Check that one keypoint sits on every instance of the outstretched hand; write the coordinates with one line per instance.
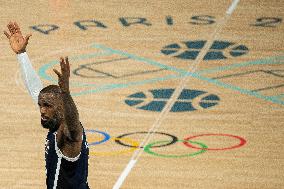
(63, 77)
(18, 43)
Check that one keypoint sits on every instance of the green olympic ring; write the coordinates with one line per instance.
(147, 149)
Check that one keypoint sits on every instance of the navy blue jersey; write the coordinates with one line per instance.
(63, 172)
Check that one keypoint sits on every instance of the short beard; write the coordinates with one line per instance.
(52, 124)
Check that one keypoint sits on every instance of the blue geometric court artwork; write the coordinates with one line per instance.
(156, 99)
(174, 73)
(190, 50)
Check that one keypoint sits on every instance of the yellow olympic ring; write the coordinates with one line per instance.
(134, 143)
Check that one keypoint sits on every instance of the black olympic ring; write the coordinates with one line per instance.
(174, 139)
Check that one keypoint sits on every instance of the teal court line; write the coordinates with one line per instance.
(273, 99)
(270, 60)
(125, 85)
(179, 74)
(42, 70)
(279, 96)
(184, 73)
(108, 51)
(148, 61)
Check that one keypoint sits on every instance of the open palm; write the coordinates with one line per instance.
(17, 42)
(63, 76)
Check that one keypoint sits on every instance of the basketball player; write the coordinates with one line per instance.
(66, 148)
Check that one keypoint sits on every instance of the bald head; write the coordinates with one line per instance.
(51, 107)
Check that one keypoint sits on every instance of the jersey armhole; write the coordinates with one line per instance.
(60, 154)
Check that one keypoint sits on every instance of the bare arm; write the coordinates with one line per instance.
(18, 44)
(73, 129)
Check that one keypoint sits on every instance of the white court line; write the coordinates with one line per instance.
(232, 7)
(173, 98)
(124, 173)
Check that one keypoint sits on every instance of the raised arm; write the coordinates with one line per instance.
(18, 44)
(73, 129)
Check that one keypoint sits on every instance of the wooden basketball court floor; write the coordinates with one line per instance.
(199, 85)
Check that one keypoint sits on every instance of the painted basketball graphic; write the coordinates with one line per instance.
(156, 99)
(191, 49)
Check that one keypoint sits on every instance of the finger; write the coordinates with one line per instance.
(62, 64)
(67, 65)
(66, 60)
(7, 34)
(10, 26)
(17, 28)
(27, 38)
(57, 73)
(61, 59)
(13, 28)
(64, 68)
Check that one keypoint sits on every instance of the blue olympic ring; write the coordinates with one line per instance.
(106, 136)
(148, 147)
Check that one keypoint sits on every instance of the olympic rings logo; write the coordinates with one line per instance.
(132, 144)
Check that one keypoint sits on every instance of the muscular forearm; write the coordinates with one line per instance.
(71, 116)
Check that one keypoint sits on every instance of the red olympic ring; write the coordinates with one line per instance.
(242, 141)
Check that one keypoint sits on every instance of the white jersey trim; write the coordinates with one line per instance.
(57, 173)
(61, 155)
